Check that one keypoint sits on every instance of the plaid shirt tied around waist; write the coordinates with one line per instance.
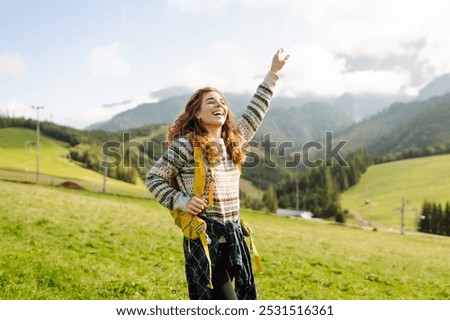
(197, 268)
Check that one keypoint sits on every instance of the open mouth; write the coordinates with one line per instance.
(219, 113)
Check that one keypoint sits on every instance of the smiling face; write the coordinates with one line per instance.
(213, 110)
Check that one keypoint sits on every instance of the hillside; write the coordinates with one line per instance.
(402, 126)
(438, 87)
(385, 185)
(291, 123)
(18, 162)
(429, 128)
(162, 112)
(302, 124)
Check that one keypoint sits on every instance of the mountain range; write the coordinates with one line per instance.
(172, 100)
(384, 128)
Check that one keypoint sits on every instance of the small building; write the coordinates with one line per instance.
(302, 214)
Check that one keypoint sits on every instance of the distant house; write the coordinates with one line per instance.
(302, 214)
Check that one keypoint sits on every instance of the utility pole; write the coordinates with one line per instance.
(37, 108)
(297, 195)
(105, 173)
(402, 210)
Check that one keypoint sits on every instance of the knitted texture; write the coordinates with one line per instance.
(178, 161)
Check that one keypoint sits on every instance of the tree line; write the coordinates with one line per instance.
(90, 155)
(268, 202)
(435, 218)
(414, 152)
(61, 133)
(313, 189)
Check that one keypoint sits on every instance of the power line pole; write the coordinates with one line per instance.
(37, 108)
(402, 210)
(105, 173)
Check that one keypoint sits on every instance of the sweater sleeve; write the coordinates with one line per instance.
(164, 170)
(254, 114)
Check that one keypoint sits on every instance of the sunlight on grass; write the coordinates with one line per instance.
(67, 244)
(386, 184)
(18, 162)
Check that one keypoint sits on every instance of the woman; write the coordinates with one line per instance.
(208, 123)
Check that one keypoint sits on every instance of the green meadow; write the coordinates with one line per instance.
(68, 244)
(385, 185)
(79, 244)
(18, 163)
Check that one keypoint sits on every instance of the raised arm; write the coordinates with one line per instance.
(253, 116)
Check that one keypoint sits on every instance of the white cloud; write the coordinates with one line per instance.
(108, 61)
(379, 81)
(312, 69)
(406, 40)
(213, 8)
(228, 67)
(14, 108)
(96, 114)
(413, 34)
(222, 7)
(434, 58)
(13, 64)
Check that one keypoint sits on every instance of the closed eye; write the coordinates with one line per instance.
(212, 100)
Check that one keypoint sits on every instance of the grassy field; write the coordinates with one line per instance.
(18, 163)
(386, 184)
(66, 244)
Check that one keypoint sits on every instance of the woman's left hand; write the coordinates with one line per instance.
(278, 62)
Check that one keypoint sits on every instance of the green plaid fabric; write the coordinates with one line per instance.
(197, 269)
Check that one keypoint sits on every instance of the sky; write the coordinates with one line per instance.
(85, 61)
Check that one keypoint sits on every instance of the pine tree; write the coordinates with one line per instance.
(304, 192)
(435, 216)
(424, 224)
(339, 216)
(440, 220)
(331, 205)
(270, 199)
(353, 176)
(446, 224)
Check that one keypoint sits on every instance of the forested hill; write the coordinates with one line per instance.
(403, 126)
(431, 127)
(162, 112)
(301, 124)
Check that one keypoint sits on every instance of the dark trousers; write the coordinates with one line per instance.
(222, 277)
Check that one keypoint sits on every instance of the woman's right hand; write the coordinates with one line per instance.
(278, 62)
(195, 205)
